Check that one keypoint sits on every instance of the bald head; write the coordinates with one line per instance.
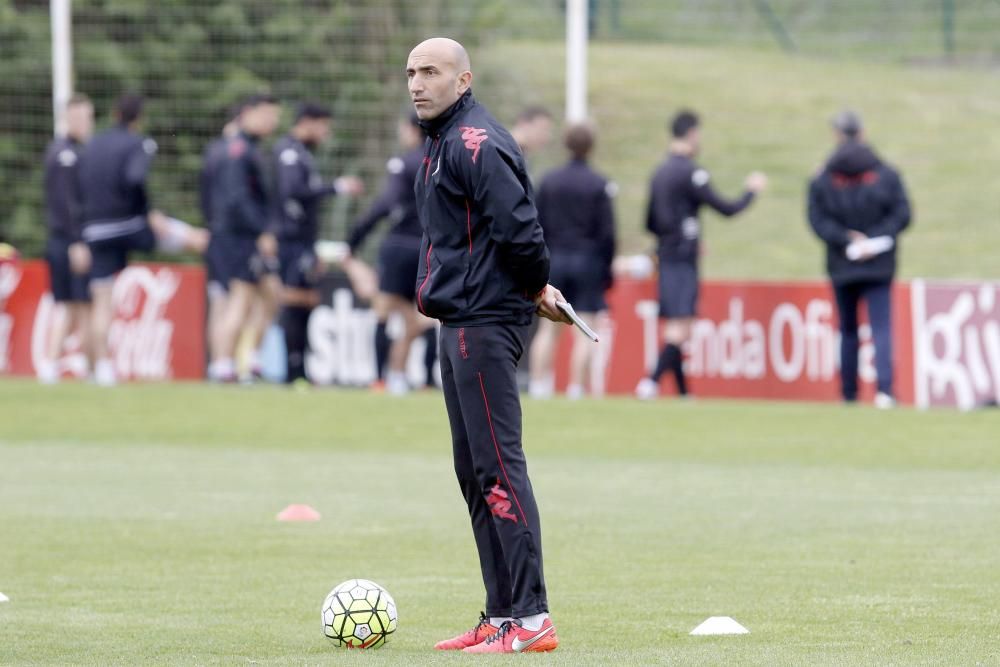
(438, 73)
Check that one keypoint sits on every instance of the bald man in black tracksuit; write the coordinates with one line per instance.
(483, 273)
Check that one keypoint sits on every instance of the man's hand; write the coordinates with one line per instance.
(756, 182)
(267, 245)
(79, 258)
(546, 305)
(352, 186)
(856, 236)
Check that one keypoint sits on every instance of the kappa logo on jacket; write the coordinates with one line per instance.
(473, 138)
(499, 502)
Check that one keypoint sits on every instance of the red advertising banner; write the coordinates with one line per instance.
(769, 340)
(751, 340)
(956, 334)
(157, 332)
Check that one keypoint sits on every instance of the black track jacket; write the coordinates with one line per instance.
(483, 255)
(857, 191)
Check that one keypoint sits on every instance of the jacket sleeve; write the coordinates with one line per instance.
(701, 187)
(605, 213)
(823, 224)
(205, 183)
(502, 195)
(392, 193)
(137, 168)
(295, 182)
(898, 216)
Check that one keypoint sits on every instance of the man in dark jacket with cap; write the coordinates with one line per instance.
(484, 274)
(858, 206)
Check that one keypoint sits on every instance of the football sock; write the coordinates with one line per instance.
(382, 346)
(665, 362)
(430, 355)
(497, 621)
(295, 324)
(533, 622)
(677, 360)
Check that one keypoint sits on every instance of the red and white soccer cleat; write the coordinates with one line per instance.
(474, 636)
(512, 638)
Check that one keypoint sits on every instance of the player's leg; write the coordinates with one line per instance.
(175, 236)
(57, 258)
(102, 312)
(79, 316)
(878, 299)
(580, 358)
(397, 269)
(847, 297)
(496, 577)
(399, 352)
(108, 258)
(542, 382)
(430, 352)
(242, 294)
(678, 302)
(300, 275)
(297, 306)
(265, 309)
(382, 341)
(484, 361)
(484, 366)
(589, 301)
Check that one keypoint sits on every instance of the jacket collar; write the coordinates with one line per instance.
(435, 126)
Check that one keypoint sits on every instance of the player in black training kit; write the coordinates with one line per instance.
(680, 187)
(117, 218)
(216, 272)
(577, 216)
(67, 255)
(300, 190)
(243, 209)
(398, 258)
(484, 274)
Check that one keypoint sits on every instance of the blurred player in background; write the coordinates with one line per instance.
(117, 218)
(243, 209)
(398, 259)
(679, 188)
(483, 273)
(532, 130)
(67, 255)
(576, 212)
(216, 272)
(855, 199)
(300, 190)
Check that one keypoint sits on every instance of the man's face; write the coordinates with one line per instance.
(317, 130)
(410, 136)
(262, 120)
(693, 139)
(538, 133)
(80, 121)
(434, 81)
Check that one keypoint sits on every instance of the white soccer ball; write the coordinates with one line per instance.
(359, 614)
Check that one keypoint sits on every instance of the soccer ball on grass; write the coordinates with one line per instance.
(359, 614)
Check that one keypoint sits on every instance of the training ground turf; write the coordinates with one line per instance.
(137, 526)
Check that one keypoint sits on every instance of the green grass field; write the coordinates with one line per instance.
(137, 527)
(770, 111)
